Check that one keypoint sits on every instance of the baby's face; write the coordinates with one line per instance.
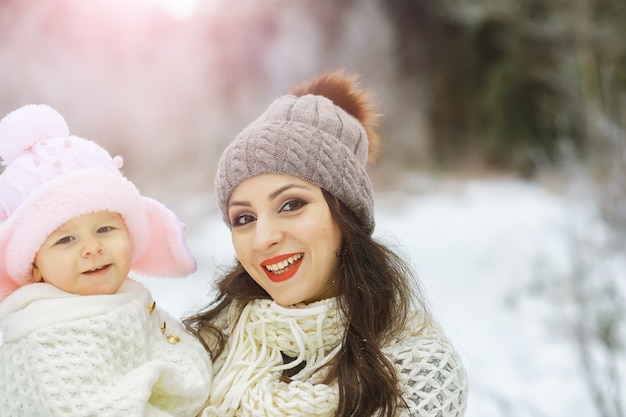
(87, 255)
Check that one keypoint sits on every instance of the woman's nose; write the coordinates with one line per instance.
(92, 246)
(267, 233)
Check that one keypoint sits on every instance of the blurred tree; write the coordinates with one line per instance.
(513, 77)
(428, 50)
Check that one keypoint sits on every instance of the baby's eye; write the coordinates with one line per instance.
(293, 205)
(66, 239)
(242, 220)
(105, 229)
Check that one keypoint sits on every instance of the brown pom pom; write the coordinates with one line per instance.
(343, 91)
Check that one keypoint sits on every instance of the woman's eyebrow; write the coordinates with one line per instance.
(237, 203)
(270, 197)
(284, 188)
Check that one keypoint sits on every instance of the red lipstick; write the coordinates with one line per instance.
(285, 273)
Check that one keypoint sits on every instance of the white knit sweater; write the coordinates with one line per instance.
(102, 355)
(247, 376)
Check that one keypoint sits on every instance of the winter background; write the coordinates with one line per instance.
(477, 247)
(521, 270)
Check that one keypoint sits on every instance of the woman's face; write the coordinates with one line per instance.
(285, 237)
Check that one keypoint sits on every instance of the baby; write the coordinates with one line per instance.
(79, 337)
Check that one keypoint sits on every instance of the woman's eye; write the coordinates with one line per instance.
(242, 220)
(293, 205)
(105, 229)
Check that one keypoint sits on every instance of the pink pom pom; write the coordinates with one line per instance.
(118, 161)
(28, 125)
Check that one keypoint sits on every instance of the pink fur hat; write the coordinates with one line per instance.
(51, 176)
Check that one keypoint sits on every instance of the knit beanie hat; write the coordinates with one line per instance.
(323, 133)
(51, 177)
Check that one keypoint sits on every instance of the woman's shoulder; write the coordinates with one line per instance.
(429, 368)
(420, 333)
(422, 341)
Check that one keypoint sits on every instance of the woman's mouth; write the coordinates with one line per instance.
(281, 268)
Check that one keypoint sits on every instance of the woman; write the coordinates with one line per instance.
(315, 317)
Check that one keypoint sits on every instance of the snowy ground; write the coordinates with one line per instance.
(475, 246)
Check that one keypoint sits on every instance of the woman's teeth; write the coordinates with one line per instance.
(278, 267)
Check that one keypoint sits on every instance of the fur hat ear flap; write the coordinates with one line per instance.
(7, 285)
(167, 254)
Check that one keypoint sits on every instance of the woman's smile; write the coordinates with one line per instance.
(283, 267)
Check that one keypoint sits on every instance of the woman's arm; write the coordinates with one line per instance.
(431, 372)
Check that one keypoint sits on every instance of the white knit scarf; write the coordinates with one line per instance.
(248, 383)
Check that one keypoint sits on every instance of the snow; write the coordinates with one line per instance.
(476, 247)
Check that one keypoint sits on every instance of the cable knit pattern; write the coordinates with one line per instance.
(307, 137)
(102, 355)
(247, 378)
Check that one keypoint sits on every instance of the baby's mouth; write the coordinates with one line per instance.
(98, 269)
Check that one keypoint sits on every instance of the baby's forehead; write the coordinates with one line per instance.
(87, 219)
